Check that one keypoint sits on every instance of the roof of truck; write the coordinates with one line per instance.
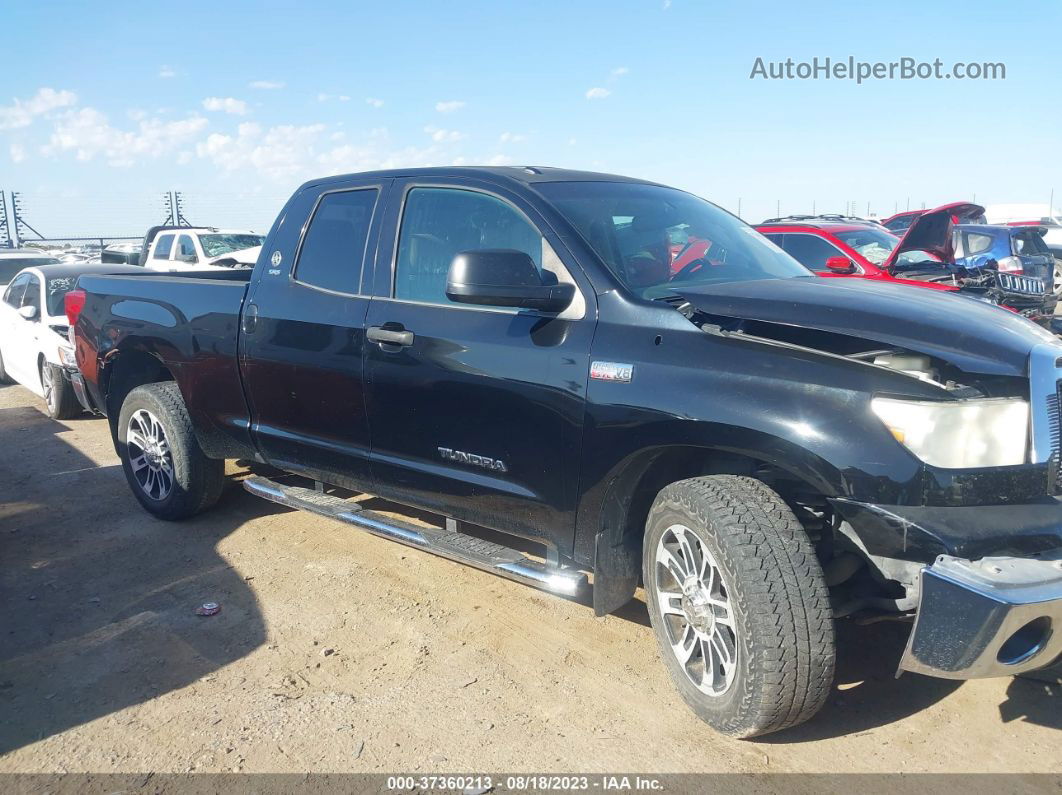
(521, 174)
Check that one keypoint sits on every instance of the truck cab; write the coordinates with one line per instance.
(181, 249)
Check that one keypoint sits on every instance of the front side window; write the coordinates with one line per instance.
(332, 254)
(186, 249)
(14, 292)
(439, 223)
(657, 240)
(162, 247)
(811, 251)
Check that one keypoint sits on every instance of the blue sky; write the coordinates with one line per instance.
(105, 106)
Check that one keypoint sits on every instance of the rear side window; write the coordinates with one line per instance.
(332, 255)
(811, 251)
(976, 244)
(162, 247)
(437, 223)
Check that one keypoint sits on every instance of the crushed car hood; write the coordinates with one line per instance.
(932, 230)
(975, 336)
(245, 256)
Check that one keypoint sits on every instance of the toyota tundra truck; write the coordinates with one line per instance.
(511, 351)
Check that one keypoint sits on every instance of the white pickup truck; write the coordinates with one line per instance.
(175, 249)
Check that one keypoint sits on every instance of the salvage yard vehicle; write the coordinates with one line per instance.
(14, 260)
(510, 349)
(34, 348)
(926, 256)
(183, 248)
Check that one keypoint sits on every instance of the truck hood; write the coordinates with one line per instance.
(245, 256)
(932, 230)
(973, 335)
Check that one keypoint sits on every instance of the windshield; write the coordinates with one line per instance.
(658, 240)
(875, 246)
(10, 266)
(216, 245)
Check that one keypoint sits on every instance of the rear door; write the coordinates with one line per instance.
(303, 334)
(475, 412)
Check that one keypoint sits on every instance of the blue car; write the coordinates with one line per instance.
(1017, 250)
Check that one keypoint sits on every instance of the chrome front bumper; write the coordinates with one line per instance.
(996, 616)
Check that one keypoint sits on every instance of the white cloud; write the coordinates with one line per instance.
(499, 160)
(266, 85)
(444, 136)
(18, 153)
(88, 134)
(572, 142)
(511, 138)
(620, 71)
(226, 104)
(277, 152)
(449, 106)
(376, 103)
(597, 93)
(167, 72)
(667, 4)
(22, 113)
(330, 97)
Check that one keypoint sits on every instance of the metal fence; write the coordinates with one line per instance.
(65, 219)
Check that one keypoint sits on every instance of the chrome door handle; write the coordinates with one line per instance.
(389, 336)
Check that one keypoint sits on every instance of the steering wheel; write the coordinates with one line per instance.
(689, 269)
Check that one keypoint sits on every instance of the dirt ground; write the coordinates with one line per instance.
(336, 651)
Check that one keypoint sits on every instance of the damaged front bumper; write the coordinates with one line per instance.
(997, 616)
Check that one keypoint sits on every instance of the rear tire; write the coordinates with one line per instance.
(161, 457)
(58, 393)
(747, 630)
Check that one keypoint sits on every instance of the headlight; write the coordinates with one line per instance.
(959, 434)
(67, 357)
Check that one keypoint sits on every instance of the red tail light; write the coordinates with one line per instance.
(73, 303)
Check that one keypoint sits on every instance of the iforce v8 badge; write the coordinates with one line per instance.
(612, 371)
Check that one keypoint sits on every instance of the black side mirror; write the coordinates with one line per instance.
(504, 277)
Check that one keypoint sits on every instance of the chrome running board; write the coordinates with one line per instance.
(460, 547)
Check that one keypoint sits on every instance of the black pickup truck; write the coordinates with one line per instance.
(513, 351)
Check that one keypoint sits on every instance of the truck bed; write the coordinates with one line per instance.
(186, 324)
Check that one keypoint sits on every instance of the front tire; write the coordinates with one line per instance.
(738, 604)
(4, 377)
(162, 460)
(58, 393)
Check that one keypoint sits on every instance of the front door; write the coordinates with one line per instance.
(475, 412)
(303, 334)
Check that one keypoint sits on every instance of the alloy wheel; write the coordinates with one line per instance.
(48, 385)
(696, 611)
(149, 454)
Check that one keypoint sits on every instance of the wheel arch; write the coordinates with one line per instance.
(125, 370)
(617, 520)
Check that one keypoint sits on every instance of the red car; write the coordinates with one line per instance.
(835, 246)
(840, 246)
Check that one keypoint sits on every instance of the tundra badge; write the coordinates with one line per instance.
(476, 460)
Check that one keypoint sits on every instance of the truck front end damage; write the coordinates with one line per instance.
(996, 616)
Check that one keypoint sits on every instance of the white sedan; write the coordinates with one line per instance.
(34, 349)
